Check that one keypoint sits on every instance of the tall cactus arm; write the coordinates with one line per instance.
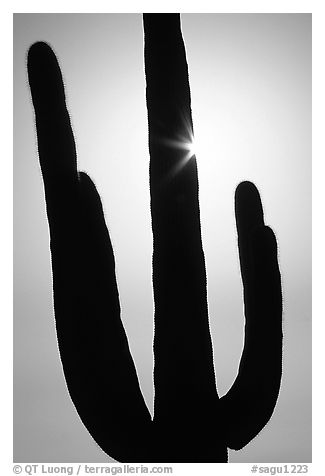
(250, 402)
(186, 398)
(97, 364)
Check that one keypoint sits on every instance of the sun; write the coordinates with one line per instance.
(190, 147)
(187, 145)
(185, 142)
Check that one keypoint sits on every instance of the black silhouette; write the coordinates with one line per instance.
(191, 423)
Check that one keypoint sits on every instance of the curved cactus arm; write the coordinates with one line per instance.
(250, 402)
(97, 364)
(185, 391)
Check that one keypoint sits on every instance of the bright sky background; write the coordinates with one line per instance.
(250, 77)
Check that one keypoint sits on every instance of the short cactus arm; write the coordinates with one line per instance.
(98, 366)
(250, 402)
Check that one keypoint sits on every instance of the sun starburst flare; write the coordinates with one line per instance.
(184, 141)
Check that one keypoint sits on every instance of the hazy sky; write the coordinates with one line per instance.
(250, 77)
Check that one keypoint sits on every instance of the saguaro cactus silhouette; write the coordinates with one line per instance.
(191, 423)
